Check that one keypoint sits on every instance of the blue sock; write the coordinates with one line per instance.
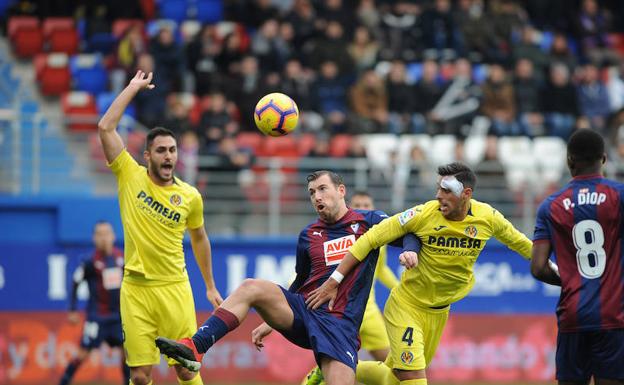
(210, 332)
(69, 372)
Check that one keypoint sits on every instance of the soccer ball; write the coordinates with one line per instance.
(276, 114)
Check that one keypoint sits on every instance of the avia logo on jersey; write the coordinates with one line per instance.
(464, 243)
(585, 197)
(336, 249)
(159, 208)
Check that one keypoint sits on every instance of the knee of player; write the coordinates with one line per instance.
(140, 378)
(250, 287)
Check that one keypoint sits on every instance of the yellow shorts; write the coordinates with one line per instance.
(414, 333)
(373, 330)
(166, 310)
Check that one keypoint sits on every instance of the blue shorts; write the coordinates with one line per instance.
(95, 332)
(321, 332)
(581, 355)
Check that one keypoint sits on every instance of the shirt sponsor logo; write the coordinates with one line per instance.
(336, 249)
(156, 207)
(407, 357)
(175, 200)
(464, 243)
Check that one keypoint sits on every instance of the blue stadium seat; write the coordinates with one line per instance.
(414, 72)
(102, 42)
(176, 10)
(546, 41)
(479, 73)
(88, 73)
(209, 11)
(105, 99)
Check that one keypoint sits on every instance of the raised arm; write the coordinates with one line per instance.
(107, 126)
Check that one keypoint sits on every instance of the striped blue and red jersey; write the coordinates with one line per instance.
(584, 224)
(103, 275)
(321, 247)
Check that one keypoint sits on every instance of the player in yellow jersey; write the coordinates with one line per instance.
(156, 210)
(373, 330)
(453, 229)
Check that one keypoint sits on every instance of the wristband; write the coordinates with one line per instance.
(337, 276)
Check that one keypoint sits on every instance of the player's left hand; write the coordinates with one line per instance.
(258, 334)
(214, 297)
(409, 259)
(326, 292)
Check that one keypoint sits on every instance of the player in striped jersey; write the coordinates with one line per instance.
(583, 225)
(331, 331)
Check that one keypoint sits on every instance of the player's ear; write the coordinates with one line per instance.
(146, 155)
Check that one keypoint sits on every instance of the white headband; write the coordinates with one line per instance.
(451, 183)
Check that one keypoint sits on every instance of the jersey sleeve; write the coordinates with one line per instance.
(386, 231)
(195, 218)
(505, 232)
(383, 271)
(302, 266)
(124, 167)
(542, 231)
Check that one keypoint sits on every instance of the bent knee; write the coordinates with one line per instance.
(251, 287)
(404, 375)
(140, 379)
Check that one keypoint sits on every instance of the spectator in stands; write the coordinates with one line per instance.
(356, 148)
(177, 117)
(231, 53)
(527, 96)
(528, 48)
(400, 99)
(401, 33)
(427, 93)
(369, 102)
(331, 46)
(298, 83)
(438, 29)
(245, 89)
(559, 102)
(615, 87)
(130, 47)
(490, 171)
(560, 52)
(368, 15)
(254, 13)
(151, 105)
(188, 160)
(507, 20)
(474, 28)
(335, 10)
(363, 49)
(592, 25)
(459, 103)
(269, 47)
(201, 59)
(330, 97)
(169, 58)
(593, 98)
(321, 147)
(499, 103)
(302, 17)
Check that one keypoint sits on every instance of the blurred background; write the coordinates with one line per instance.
(387, 90)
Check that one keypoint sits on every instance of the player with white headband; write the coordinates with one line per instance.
(454, 229)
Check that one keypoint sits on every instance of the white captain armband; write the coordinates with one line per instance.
(337, 276)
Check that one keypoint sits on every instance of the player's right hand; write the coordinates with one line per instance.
(140, 81)
(409, 259)
(73, 317)
(258, 334)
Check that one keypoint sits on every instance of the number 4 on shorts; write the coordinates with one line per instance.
(408, 336)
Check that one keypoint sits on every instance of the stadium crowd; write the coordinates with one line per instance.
(532, 68)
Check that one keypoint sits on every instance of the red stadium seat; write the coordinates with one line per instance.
(306, 144)
(54, 78)
(60, 35)
(80, 111)
(40, 62)
(251, 140)
(283, 147)
(25, 35)
(339, 145)
(121, 26)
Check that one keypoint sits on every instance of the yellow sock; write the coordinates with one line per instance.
(419, 381)
(197, 380)
(375, 373)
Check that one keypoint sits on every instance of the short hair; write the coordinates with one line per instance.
(156, 132)
(101, 222)
(362, 193)
(586, 145)
(335, 178)
(462, 172)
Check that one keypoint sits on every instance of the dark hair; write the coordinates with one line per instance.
(586, 146)
(101, 222)
(335, 178)
(462, 172)
(155, 132)
(361, 193)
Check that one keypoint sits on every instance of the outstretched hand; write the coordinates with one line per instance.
(142, 81)
(258, 334)
(324, 293)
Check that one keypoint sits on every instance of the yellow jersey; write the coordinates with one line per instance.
(383, 273)
(449, 249)
(154, 221)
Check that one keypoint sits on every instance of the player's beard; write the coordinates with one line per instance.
(155, 171)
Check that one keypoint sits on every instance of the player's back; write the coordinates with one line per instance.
(585, 227)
